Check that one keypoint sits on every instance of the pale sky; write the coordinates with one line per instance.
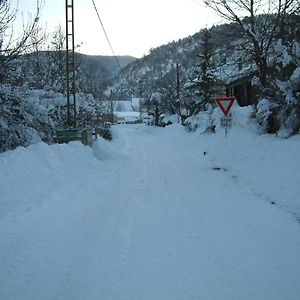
(133, 26)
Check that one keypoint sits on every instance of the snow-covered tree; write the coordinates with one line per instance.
(56, 56)
(202, 86)
(11, 46)
(259, 33)
(155, 104)
(264, 24)
(281, 112)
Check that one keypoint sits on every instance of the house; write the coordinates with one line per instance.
(236, 77)
(128, 117)
(242, 90)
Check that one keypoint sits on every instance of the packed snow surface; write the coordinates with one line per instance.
(154, 214)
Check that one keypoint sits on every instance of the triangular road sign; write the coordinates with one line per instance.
(225, 104)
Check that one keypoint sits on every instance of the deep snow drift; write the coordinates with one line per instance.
(149, 216)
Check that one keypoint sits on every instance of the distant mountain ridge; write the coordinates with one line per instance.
(109, 63)
(47, 69)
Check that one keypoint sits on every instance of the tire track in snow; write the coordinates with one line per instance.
(154, 223)
(135, 168)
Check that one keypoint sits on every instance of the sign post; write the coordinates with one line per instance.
(225, 105)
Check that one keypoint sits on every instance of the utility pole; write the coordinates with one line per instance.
(70, 57)
(111, 111)
(177, 80)
(177, 92)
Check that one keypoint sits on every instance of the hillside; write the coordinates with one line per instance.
(231, 60)
(158, 69)
(108, 63)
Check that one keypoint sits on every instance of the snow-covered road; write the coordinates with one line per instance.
(151, 218)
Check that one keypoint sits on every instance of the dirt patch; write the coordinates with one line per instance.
(219, 169)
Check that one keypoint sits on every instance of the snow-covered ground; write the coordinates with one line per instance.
(154, 214)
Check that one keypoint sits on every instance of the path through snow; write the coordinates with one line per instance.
(148, 219)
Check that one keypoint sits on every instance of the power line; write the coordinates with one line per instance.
(111, 48)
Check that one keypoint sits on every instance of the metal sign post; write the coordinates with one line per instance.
(226, 122)
(225, 105)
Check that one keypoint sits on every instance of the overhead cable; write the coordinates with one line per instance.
(111, 48)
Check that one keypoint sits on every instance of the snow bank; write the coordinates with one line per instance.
(30, 175)
(263, 163)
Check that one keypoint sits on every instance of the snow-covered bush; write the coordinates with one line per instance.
(18, 126)
(280, 111)
(265, 115)
(155, 104)
(29, 116)
(169, 120)
(203, 120)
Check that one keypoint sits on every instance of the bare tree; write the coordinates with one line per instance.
(56, 69)
(259, 32)
(11, 46)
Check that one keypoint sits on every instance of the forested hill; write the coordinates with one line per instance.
(157, 70)
(108, 63)
(231, 57)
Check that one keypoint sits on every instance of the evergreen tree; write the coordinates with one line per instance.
(202, 87)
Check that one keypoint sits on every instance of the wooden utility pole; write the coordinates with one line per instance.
(177, 80)
(177, 92)
(111, 111)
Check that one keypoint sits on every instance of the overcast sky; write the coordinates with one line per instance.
(133, 26)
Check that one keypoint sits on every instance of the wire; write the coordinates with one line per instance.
(111, 48)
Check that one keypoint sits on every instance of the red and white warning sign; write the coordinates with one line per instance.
(225, 104)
